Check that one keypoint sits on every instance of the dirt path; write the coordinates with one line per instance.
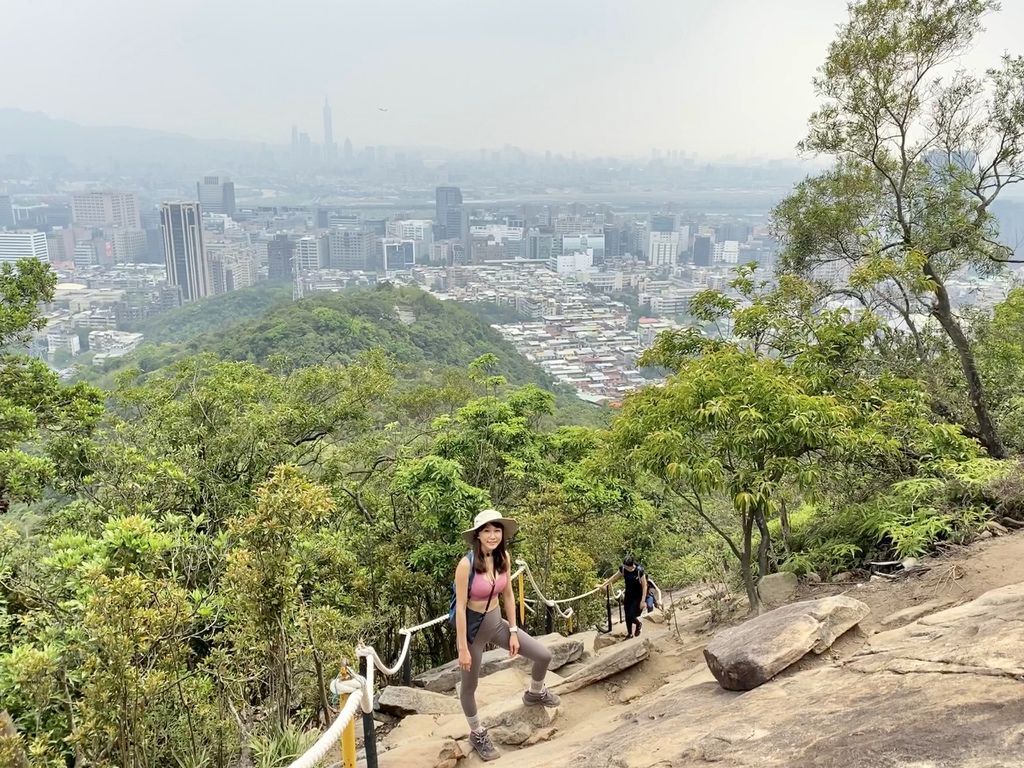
(669, 712)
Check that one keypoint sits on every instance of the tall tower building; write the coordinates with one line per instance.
(216, 196)
(330, 149)
(184, 252)
(6, 212)
(106, 209)
(281, 259)
(449, 213)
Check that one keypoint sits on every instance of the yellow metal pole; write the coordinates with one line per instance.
(522, 601)
(348, 745)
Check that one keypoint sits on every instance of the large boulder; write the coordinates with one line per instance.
(752, 653)
(605, 664)
(401, 700)
(777, 588)
(445, 678)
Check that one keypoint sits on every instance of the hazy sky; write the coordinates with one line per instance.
(715, 77)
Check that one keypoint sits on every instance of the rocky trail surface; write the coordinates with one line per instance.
(931, 675)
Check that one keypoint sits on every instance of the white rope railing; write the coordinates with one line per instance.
(554, 604)
(360, 689)
(369, 652)
(356, 688)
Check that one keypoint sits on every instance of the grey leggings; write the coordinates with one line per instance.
(494, 629)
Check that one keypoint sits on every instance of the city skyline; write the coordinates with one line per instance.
(598, 79)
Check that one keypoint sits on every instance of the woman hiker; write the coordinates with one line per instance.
(481, 583)
(636, 593)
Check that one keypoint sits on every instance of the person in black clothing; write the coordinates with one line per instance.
(635, 593)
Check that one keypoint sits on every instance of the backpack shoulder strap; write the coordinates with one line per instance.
(472, 570)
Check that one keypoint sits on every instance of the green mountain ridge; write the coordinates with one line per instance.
(263, 325)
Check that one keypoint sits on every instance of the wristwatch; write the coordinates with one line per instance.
(514, 630)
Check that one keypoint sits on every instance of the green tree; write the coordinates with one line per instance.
(35, 408)
(921, 152)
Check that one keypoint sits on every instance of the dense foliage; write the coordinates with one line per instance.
(187, 561)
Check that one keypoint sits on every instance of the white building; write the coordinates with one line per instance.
(310, 253)
(726, 252)
(104, 209)
(569, 263)
(662, 248)
(113, 343)
(63, 342)
(23, 244)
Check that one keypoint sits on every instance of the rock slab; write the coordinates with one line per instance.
(564, 650)
(605, 664)
(401, 701)
(984, 637)
(744, 657)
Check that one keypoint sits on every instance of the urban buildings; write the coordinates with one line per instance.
(449, 214)
(6, 212)
(350, 249)
(23, 244)
(663, 248)
(216, 195)
(106, 209)
(281, 259)
(311, 253)
(185, 256)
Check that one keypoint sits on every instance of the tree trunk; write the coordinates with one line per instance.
(745, 563)
(764, 544)
(943, 312)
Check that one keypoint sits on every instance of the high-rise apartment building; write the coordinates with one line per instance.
(281, 259)
(350, 248)
(310, 253)
(398, 254)
(662, 248)
(703, 247)
(184, 253)
(60, 243)
(216, 195)
(106, 209)
(6, 212)
(449, 214)
(23, 244)
(129, 246)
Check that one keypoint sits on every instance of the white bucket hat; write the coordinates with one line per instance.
(509, 525)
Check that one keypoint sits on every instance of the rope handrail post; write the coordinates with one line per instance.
(608, 605)
(407, 670)
(549, 621)
(369, 725)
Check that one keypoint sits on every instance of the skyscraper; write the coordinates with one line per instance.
(449, 213)
(105, 209)
(281, 259)
(330, 150)
(184, 252)
(6, 212)
(216, 196)
(702, 249)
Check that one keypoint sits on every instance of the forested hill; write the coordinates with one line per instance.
(214, 314)
(263, 325)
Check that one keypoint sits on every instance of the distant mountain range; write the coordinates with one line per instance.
(36, 135)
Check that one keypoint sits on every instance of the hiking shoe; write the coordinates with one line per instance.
(637, 632)
(481, 742)
(545, 697)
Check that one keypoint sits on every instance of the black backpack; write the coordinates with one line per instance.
(469, 586)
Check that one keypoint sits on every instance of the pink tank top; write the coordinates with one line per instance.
(481, 587)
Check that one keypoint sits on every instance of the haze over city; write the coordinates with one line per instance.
(706, 77)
